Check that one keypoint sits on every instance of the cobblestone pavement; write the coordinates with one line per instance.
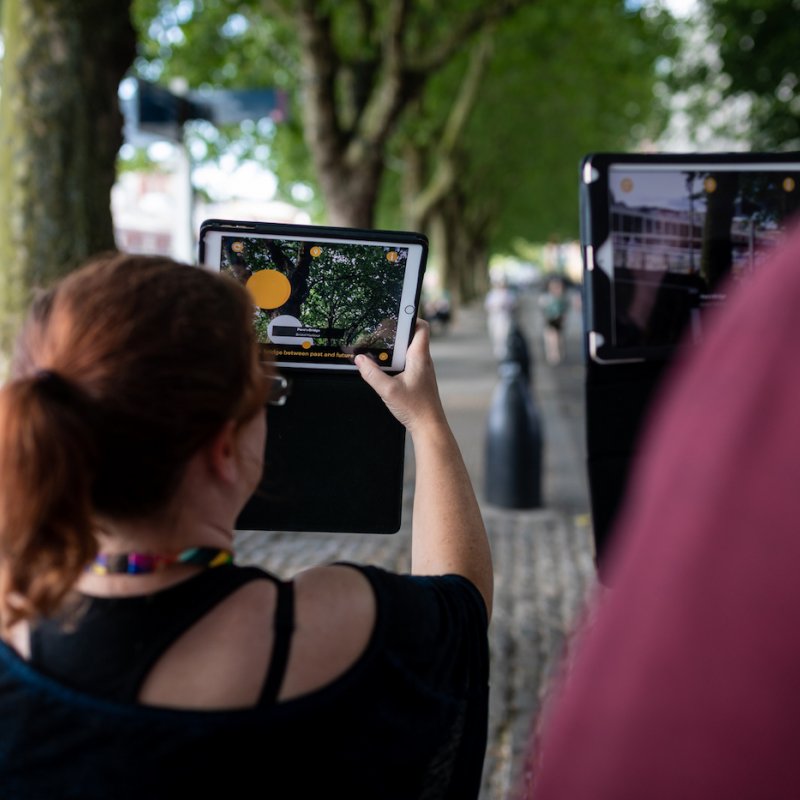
(542, 557)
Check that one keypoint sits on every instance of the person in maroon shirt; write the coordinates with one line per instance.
(684, 684)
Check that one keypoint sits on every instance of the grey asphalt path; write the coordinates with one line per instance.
(542, 557)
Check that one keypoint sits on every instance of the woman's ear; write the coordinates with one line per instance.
(221, 453)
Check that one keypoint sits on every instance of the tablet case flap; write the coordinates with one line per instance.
(334, 460)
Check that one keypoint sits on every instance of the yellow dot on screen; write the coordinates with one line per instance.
(269, 288)
(306, 344)
(788, 184)
(315, 251)
(383, 356)
(710, 185)
(626, 184)
(391, 255)
(237, 247)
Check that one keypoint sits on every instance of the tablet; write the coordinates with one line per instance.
(323, 294)
(666, 236)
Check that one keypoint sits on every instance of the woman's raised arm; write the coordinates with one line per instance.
(448, 534)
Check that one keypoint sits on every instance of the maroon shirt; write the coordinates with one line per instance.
(687, 682)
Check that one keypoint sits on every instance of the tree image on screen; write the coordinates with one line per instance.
(351, 292)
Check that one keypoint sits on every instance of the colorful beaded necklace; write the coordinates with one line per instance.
(143, 563)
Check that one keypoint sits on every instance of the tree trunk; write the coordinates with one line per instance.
(463, 250)
(411, 185)
(446, 265)
(350, 108)
(717, 250)
(351, 194)
(60, 132)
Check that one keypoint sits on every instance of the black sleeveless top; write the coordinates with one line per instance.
(115, 641)
(407, 720)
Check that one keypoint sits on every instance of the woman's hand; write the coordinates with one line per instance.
(412, 395)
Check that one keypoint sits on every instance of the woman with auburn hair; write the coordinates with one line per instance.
(137, 659)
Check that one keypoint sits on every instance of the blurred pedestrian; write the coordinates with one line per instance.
(554, 305)
(501, 304)
(437, 311)
(684, 683)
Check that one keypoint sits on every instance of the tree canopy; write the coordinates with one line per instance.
(756, 44)
(563, 80)
(400, 109)
(351, 289)
(460, 118)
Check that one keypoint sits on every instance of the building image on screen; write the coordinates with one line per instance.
(680, 238)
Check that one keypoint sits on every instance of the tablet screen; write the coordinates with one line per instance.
(321, 299)
(677, 237)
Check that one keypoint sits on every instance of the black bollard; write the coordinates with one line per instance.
(517, 351)
(513, 444)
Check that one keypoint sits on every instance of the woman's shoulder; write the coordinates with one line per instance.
(334, 620)
(408, 614)
(345, 612)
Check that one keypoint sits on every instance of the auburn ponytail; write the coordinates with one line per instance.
(47, 463)
(123, 370)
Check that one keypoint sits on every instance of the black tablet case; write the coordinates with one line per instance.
(619, 396)
(335, 455)
(334, 460)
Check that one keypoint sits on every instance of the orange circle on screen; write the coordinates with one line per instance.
(269, 288)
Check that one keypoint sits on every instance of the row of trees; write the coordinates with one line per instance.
(461, 118)
(747, 62)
